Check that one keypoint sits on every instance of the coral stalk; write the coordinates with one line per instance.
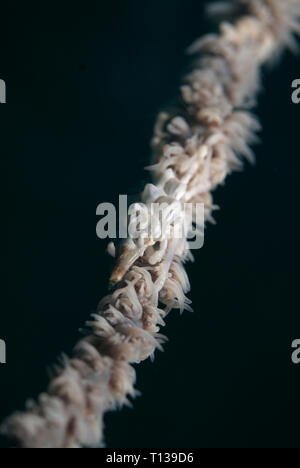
(195, 147)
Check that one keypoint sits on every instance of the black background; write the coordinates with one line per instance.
(84, 83)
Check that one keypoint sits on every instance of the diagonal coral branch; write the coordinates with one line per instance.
(195, 148)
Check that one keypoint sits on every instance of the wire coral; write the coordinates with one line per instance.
(195, 147)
